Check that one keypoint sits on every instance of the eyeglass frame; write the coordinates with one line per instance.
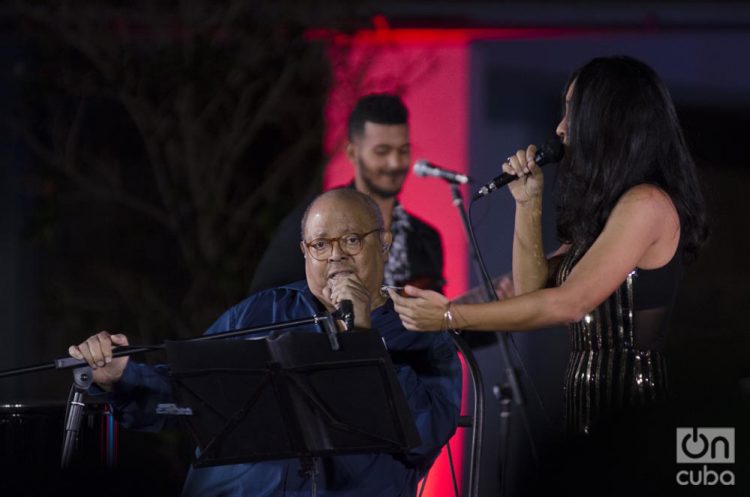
(338, 239)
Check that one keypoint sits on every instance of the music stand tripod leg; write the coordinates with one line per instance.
(82, 380)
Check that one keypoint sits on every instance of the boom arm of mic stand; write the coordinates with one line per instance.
(69, 362)
(83, 376)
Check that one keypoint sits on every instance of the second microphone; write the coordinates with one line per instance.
(424, 168)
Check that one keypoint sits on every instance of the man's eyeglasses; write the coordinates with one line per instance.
(321, 249)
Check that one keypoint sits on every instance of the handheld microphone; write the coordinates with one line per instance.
(552, 151)
(346, 313)
(424, 168)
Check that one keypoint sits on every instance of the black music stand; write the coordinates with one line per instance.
(290, 395)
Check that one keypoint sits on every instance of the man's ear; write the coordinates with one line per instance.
(351, 153)
(386, 239)
(302, 248)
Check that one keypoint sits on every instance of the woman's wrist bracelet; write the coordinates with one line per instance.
(448, 322)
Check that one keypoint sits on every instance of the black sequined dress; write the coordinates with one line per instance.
(616, 358)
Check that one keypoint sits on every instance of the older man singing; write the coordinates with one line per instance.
(345, 247)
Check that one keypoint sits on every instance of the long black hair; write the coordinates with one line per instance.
(623, 131)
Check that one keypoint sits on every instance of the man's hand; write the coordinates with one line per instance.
(97, 352)
(349, 287)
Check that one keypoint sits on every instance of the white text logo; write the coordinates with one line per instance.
(704, 446)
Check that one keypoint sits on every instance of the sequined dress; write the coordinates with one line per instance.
(616, 358)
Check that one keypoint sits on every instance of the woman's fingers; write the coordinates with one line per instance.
(421, 311)
(410, 303)
(530, 153)
(405, 308)
(516, 167)
(417, 292)
(534, 169)
(520, 159)
(522, 165)
(397, 299)
(408, 322)
(399, 302)
(522, 162)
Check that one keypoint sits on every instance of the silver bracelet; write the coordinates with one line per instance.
(448, 319)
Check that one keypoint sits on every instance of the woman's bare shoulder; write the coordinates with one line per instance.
(649, 195)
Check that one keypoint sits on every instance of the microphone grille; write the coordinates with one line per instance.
(552, 151)
(421, 168)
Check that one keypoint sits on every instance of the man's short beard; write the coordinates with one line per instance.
(371, 187)
(377, 191)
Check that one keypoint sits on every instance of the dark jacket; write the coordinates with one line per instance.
(426, 366)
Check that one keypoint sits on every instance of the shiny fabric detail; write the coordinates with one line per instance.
(605, 371)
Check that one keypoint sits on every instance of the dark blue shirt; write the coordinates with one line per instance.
(427, 368)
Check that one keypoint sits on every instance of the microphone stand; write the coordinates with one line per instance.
(514, 390)
(83, 376)
(82, 380)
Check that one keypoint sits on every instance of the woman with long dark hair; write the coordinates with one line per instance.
(629, 214)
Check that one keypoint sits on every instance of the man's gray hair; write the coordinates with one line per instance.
(350, 195)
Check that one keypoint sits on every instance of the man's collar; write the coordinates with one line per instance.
(302, 287)
(299, 286)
